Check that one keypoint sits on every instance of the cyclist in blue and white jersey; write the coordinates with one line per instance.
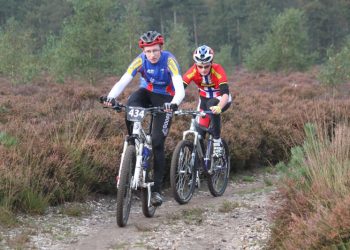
(160, 85)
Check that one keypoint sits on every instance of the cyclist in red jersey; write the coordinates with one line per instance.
(214, 94)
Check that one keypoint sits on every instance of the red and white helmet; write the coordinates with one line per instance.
(150, 38)
(203, 54)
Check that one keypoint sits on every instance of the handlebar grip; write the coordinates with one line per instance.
(102, 98)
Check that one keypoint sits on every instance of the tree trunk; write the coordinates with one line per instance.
(161, 25)
(174, 18)
(195, 28)
(238, 43)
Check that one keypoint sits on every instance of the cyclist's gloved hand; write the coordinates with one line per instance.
(108, 101)
(117, 106)
(215, 109)
(170, 107)
(103, 98)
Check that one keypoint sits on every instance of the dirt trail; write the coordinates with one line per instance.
(240, 219)
(237, 220)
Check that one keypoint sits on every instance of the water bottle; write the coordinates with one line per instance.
(146, 154)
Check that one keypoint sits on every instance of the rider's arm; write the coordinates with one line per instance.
(126, 78)
(177, 81)
(179, 90)
(120, 85)
(224, 91)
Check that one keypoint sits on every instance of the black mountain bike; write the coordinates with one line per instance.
(135, 173)
(193, 157)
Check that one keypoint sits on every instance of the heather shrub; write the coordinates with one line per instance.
(316, 214)
(53, 157)
(63, 145)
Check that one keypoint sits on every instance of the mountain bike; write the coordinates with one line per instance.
(135, 172)
(193, 158)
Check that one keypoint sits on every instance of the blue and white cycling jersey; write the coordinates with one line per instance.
(156, 77)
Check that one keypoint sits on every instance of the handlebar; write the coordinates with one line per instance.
(192, 112)
(121, 107)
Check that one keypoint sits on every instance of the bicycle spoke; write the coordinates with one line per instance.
(220, 174)
(182, 174)
(183, 177)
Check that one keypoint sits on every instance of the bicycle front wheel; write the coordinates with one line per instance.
(218, 178)
(124, 193)
(182, 172)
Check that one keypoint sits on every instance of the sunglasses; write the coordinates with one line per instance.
(203, 67)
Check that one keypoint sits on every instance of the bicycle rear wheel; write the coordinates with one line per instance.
(124, 193)
(218, 179)
(183, 172)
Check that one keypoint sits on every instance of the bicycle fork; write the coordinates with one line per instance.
(121, 162)
(207, 159)
(196, 148)
(136, 176)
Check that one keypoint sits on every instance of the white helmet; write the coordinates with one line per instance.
(203, 54)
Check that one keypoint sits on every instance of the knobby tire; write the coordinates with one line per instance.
(218, 180)
(182, 172)
(124, 194)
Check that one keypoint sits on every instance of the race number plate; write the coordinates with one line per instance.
(135, 114)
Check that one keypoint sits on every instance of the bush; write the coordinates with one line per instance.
(337, 69)
(17, 59)
(316, 212)
(285, 48)
(87, 41)
(178, 44)
(224, 57)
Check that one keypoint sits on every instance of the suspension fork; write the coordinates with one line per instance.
(137, 131)
(207, 158)
(121, 161)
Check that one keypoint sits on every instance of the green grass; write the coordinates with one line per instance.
(7, 218)
(189, 216)
(32, 202)
(75, 209)
(193, 216)
(316, 187)
(248, 178)
(7, 140)
(268, 181)
(228, 206)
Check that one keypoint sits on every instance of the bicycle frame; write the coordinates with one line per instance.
(190, 160)
(140, 137)
(204, 157)
(133, 169)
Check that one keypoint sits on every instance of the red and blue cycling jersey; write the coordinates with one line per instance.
(156, 77)
(209, 85)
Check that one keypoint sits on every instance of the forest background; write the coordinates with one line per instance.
(289, 69)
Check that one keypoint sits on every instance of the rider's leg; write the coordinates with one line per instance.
(161, 125)
(216, 125)
(160, 130)
(216, 119)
